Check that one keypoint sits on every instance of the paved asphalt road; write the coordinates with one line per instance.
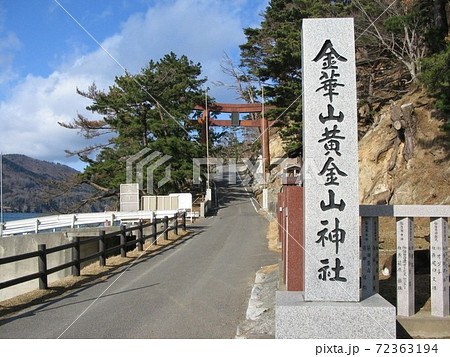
(200, 289)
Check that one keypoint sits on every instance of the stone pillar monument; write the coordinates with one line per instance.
(331, 306)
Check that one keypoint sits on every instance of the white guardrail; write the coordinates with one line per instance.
(77, 220)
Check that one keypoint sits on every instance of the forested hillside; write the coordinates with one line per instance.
(29, 186)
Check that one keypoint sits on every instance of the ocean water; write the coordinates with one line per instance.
(15, 216)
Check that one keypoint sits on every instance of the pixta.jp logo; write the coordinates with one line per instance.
(150, 161)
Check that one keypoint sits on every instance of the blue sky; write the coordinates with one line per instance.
(45, 55)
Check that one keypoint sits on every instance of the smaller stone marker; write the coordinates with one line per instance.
(129, 197)
(405, 266)
(370, 256)
(439, 267)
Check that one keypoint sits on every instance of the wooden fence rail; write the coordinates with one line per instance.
(124, 232)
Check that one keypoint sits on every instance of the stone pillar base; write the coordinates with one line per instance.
(371, 318)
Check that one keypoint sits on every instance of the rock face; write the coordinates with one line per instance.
(398, 165)
(404, 157)
(276, 146)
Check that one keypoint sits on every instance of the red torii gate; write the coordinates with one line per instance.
(261, 123)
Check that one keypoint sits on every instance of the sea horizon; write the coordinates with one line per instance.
(14, 216)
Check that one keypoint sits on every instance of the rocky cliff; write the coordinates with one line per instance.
(404, 162)
(389, 173)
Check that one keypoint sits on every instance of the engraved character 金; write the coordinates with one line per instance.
(329, 56)
(331, 171)
(329, 81)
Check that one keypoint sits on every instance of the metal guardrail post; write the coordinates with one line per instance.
(123, 241)
(166, 228)
(101, 249)
(140, 234)
(42, 266)
(36, 226)
(76, 258)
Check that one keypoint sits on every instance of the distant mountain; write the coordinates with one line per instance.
(27, 186)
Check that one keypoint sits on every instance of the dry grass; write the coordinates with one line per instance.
(272, 236)
(89, 275)
(268, 269)
(388, 233)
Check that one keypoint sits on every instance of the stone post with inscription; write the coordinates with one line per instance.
(405, 266)
(331, 306)
(129, 197)
(439, 266)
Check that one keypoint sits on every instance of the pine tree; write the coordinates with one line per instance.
(147, 110)
(392, 38)
(272, 54)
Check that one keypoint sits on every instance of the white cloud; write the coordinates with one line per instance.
(29, 120)
(201, 29)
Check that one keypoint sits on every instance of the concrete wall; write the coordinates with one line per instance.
(14, 245)
(19, 244)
